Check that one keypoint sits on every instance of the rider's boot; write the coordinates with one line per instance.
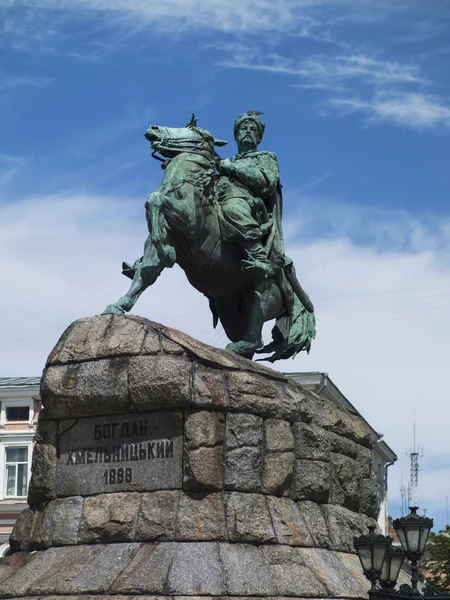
(256, 261)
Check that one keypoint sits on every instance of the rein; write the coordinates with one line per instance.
(181, 145)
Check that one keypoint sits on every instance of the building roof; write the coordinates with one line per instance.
(6, 382)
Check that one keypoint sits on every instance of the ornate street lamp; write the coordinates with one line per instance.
(392, 565)
(371, 549)
(413, 531)
(381, 562)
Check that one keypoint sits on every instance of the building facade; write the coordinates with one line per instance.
(19, 410)
(382, 455)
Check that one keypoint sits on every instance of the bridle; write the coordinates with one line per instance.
(180, 145)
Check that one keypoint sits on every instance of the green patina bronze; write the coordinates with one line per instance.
(224, 230)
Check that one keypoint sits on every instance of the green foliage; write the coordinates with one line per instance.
(436, 564)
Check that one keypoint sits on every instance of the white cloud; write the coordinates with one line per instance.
(382, 306)
(410, 109)
(329, 71)
(311, 18)
(179, 15)
(383, 90)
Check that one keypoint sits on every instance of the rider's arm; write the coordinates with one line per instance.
(259, 173)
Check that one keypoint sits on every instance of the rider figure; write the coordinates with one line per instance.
(248, 191)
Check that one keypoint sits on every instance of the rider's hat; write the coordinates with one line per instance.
(251, 115)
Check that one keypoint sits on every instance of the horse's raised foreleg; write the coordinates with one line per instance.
(158, 228)
(144, 273)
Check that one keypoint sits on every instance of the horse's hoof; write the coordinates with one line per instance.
(245, 349)
(113, 309)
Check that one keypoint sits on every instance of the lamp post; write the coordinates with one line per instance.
(382, 563)
(413, 531)
(371, 549)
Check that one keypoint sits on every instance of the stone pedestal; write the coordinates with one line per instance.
(166, 467)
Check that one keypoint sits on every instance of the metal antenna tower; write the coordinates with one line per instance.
(404, 493)
(414, 474)
(446, 502)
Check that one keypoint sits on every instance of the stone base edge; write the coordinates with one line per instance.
(183, 569)
(175, 516)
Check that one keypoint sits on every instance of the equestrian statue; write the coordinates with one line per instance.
(220, 220)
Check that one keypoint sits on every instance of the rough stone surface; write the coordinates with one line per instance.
(110, 517)
(42, 484)
(87, 569)
(204, 428)
(277, 436)
(12, 563)
(81, 341)
(277, 473)
(196, 569)
(289, 525)
(331, 572)
(248, 519)
(209, 389)
(86, 388)
(343, 525)
(157, 516)
(186, 570)
(364, 460)
(243, 469)
(148, 571)
(169, 347)
(252, 393)
(246, 571)
(40, 537)
(344, 481)
(19, 583)
(47, 429)
(243, 429)
(292, 577)
(22, 531)
(201, 516)
(342, 445)
(346, 425)
(312, 515)
(203, 469)
(311, 441)
(64, 520)
(369, 497)
(311, 480)
(159, 381)
(273, 481)
(208, 355)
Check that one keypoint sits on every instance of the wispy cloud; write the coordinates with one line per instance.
(11, 81)
(44, 20)
(10, 167)
(331, 71)
(383, 90)
(12, 160)
(410, 109)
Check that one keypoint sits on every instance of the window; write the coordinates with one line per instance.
(17, 413)
(16, 471)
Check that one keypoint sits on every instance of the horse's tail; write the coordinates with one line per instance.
(301, 332)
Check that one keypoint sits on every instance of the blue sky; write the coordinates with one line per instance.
(357, 104)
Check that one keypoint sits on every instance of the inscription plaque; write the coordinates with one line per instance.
(135, 452)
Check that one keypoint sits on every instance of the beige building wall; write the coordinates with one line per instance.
(19, 411)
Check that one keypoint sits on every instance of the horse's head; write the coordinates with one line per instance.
(170, 141)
